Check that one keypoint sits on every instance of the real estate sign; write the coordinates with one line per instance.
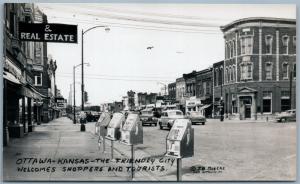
(41, 32)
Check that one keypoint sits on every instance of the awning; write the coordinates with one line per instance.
(10, 77)
(205, 106)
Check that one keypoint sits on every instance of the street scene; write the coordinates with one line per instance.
(148, 92)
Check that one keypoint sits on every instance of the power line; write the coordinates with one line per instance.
(128, 76)
(136, 26)
(119, 79)
(143, 27)
(114, 10)
(147, 20)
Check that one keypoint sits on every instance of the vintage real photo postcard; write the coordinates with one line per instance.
(149, 92)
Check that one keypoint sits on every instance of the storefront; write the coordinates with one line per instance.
(192, 104)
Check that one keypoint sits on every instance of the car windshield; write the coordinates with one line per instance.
(146, 112)
(175, 113)
(195, 113)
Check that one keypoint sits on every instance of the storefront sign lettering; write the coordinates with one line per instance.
(39, 32)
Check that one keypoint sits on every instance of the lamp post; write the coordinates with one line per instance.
(82, 127)
(74, 101)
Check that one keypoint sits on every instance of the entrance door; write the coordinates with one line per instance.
(247, 111)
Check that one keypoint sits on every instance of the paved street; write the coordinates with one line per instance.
(227, 151)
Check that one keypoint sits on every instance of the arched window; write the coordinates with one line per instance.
(226, 75)
(268, 70)
(233, 73)
(285, 43)
(269, 40)
(285, 71)
(217, 77)
(229, 74)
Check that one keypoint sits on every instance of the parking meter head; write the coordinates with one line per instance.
(180, 140)
(117, 120)
(132, 130)
(113, 130)
(102, 124)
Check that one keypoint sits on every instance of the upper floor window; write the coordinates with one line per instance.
(233, 73)
(233, 48)
(38, 80)
(246, 71)
(246, 45)
(285, 43)
(294, 70)
(217, 77)
(269, 40)
(226, 74)
(285, 70)
(229, 74)
(294, 41)
(268, 71)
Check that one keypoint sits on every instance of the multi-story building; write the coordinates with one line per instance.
(172, 92)
(204, 91)
(192, 103)
(259, 67)
(180, 93)
(19, 92)
(218, 82)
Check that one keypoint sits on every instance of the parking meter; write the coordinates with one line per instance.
(113, 130)
(180, 140)
(102, 124)
(132, 130)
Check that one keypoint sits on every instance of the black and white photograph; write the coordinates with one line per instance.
(149, 92)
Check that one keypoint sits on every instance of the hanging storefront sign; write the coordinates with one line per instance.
(40, 32)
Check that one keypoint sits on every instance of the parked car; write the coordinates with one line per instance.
(196, 117)
(168, 117)
(92, 116)
(147, 117)
(289, 115)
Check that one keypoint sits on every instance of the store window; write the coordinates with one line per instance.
(269, 40)
(267, 102)
(269, 68)
(285, 100)
(285, 43)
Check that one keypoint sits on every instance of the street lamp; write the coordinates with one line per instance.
(74, 106)
(107, 29)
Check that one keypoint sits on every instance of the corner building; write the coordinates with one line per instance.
(259, 67)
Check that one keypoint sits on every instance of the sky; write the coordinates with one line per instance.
(184, 37)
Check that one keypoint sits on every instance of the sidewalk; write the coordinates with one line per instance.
(55, 142)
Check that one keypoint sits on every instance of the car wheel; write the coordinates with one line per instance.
(203, 123)
(283, 120)
(169, 126)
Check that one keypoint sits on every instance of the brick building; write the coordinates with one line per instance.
(218, 82)
(172, 92)
(204, 91)
(259, 66)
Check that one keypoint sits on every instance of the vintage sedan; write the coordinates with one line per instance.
(196, 117)
(168, 117)
(289, 115)
(147, 117)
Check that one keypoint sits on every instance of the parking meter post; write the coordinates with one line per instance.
(111, 149)
(179, 169)
(132, 157)
(103, 144)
